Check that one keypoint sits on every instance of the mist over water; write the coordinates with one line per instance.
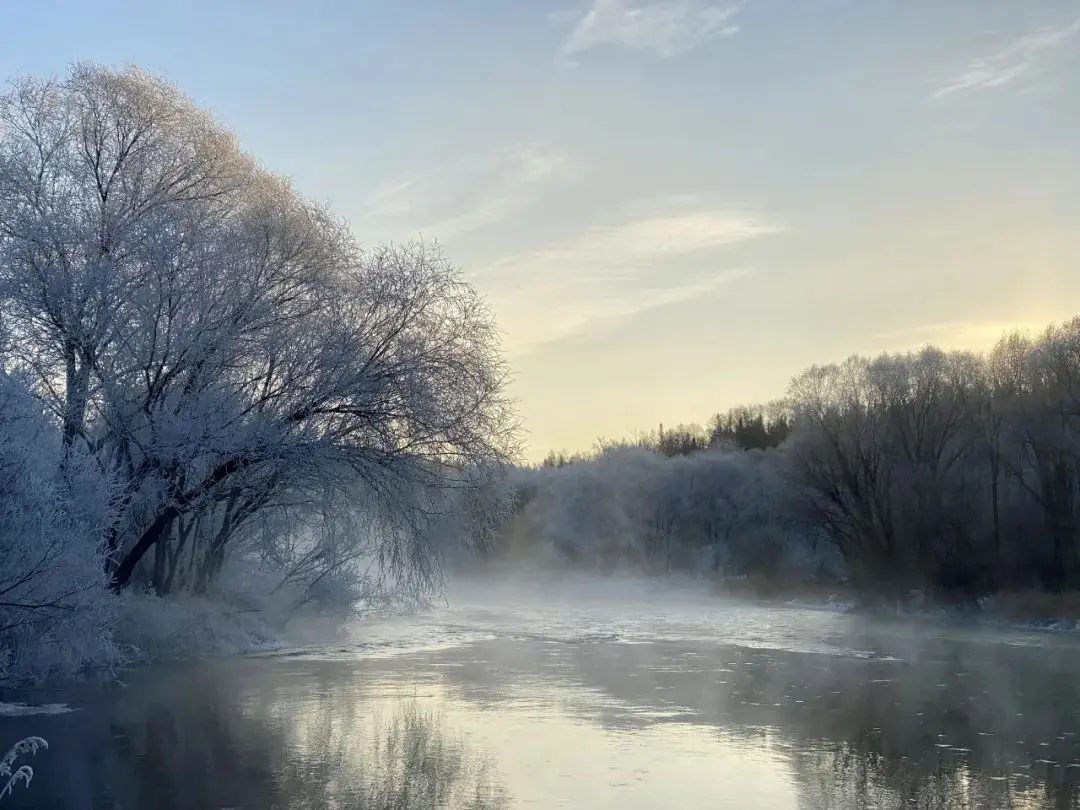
(586, 693)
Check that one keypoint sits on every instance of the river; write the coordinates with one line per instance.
(584, 694)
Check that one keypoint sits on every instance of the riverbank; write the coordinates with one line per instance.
(153, 629)
(1030, 609)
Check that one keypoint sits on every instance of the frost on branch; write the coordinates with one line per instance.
(223, 351)
(24, 773)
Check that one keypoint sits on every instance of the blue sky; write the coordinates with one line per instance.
(673, 205)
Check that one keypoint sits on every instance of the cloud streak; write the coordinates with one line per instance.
(577, 317)
(469, 195)
(518, 184)
(666, 28)
(1011, 63)
(612, 272)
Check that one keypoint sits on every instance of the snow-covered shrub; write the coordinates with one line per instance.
(150, 628)
(56, 617)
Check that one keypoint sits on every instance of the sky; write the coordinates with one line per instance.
(672, 206)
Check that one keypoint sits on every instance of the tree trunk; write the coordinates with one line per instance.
(147, 540)
(163, 522)
(77, 392)
(161, 563)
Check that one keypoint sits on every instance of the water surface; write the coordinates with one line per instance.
(585, 695)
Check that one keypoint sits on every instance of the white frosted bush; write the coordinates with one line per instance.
(56, 617)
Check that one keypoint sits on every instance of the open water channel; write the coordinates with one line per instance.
(584, 694)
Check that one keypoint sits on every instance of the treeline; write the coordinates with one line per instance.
(948, 472)
(745, 428)
(717, 511)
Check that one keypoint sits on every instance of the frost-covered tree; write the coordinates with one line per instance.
(222, 345)
(950, 473)
(880, 450)
(714, 511)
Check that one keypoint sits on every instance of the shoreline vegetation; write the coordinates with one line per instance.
(932, 479)
(1021, 610)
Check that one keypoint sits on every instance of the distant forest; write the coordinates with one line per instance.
(951, 473)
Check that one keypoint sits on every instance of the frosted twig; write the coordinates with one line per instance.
(27, 745)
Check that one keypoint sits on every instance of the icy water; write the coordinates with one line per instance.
(586, 695)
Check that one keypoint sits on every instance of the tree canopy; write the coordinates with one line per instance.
(223, 353)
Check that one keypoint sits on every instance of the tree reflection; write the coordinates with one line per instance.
(201, 740)
(954, 724)
(416, 767)
(946, 724)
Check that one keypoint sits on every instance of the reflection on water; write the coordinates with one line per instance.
(950, 724)
(225, 737)
(927, 720)
(415, 766)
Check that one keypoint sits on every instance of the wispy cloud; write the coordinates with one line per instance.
(469, 195)
(611, 272)
(391, 199)
(665, 27)
(1011, 62)
(517, 184)
(592, 313)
